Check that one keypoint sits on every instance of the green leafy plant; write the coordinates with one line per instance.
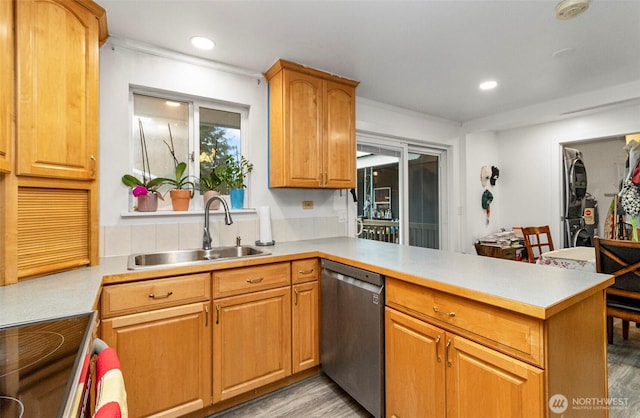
(234, 171)
(209, 180)
(147, 184)
(180, 181)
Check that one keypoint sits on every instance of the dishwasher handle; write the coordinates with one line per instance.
(351, 281)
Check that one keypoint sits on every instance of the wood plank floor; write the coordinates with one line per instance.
(319, 397)
(624, 372)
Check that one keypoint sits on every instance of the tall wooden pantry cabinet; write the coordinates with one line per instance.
(50, 195)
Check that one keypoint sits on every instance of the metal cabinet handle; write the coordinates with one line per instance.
(258, 280)
(93, 165)
(449, 362)
(306, 271)
(449, 314)
(295, 291)
(437, 350)
(206, 316)
(163, 296)
(217, 314)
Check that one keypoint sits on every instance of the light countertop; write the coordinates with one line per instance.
(538, 291)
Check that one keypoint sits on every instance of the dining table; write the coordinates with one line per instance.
(574, 258)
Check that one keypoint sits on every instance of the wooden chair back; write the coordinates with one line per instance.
(622, 260)
(538, 240)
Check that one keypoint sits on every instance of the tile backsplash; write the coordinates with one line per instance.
(129, 239)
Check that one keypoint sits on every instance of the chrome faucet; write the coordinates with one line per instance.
(206, 239)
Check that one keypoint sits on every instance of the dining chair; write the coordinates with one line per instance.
(538, 240)
(621, 259)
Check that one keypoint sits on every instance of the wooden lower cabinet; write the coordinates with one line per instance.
(251, 341)
(165, 356)
(305, 330)
(434, 373)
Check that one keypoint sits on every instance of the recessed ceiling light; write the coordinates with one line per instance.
(201, 42)
(488, 85)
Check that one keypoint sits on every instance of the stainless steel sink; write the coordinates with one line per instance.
(186, 257)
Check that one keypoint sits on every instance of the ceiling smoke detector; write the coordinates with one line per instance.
(568, 9)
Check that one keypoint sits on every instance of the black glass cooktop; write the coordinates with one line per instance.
(38, 361)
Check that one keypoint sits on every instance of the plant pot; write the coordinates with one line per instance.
(208, 195)
(180, 199)
(148, 203)
(237, 198)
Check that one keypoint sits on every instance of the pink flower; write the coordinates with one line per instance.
(140, 191)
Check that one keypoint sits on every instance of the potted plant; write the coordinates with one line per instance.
(209, 188)
(183, 187)
(145, 190)
(232, 174)
(209, 183)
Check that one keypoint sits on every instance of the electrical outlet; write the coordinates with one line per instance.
(307, 204)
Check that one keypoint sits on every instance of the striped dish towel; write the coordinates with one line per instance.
(111, 396)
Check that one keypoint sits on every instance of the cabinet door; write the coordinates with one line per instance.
(303, 129)
(305, 326)
(165, 357)
(6, 84)
(251, 341)
(57, 91)
(481, 379)
(415, 371)
(339, 136)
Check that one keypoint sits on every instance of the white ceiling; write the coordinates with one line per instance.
(428, 56)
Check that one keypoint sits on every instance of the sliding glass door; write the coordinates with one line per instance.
(378, 191)
(400, 193)
(424, 199)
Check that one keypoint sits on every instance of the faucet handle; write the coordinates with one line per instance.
(238, 241)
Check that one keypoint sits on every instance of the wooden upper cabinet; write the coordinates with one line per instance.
(340, 136)
(312, 139)
(6, 84)
(57, 89)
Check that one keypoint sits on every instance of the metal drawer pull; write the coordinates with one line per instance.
(438, 351)
(449, 314)
(258, 280)
(449, 362)
(306, 271)
(164, 296)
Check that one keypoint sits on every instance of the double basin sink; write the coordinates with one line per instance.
(187, 257)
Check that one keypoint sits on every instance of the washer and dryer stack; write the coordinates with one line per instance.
(580, 209)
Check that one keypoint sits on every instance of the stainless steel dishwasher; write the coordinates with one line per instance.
(352, 332)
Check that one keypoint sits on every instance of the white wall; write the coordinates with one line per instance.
(124, 64)
(530, 166)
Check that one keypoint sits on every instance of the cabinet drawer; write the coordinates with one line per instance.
(304, 270)
(154, 294)
(249, 279)
(512, 333)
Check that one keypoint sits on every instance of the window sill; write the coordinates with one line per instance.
(184, 214)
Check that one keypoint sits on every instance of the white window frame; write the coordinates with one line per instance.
(194, 103)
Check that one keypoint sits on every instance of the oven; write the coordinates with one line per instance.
(45, 368)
